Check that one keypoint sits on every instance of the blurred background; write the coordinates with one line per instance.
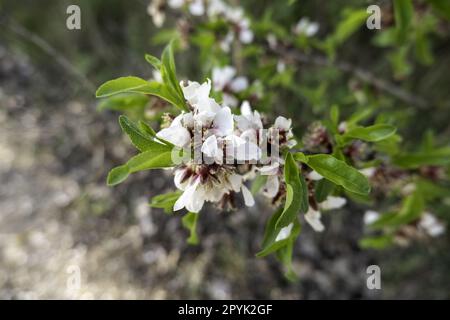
(58, 219)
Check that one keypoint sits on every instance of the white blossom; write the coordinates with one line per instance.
(306, 27)
(155, 10)
(370, 217)
(284, 233)
(332, 202)
(368, 172)
(431, 225)
(314, 175)
(313, 218)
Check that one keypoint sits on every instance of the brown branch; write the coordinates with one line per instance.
(362, 74)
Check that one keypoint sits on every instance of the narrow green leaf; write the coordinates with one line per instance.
(155, 62)
(334, 115)
(284, 254)
(438, 157)
(339, 173)
(138, 85)
(165, 201)
(373, 133)
(118, 175)
(296, 193)
(269, 245)
(403, 11)
(169, 70)
(411, 210)
(189, 221)
(158, 156)
(124, 102)
(300, 156)
(380, 242)
(140, 140)
(323, 189)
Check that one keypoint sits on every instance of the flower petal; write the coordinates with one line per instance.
(332, 202)
(248, 197)
(271, 187)
(177, 135)
(223, 122)
(285, 232)
(210, 147)
(313, 218)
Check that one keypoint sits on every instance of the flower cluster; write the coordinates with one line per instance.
(214, 10)
(232, 150)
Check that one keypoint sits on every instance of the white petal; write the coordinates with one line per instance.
(248, 197)
(210, 147)
(204, 118)
(239, 84)
(196, 8)
(281, 123)
(246, 109)
(187, 196)
(313, 218)
(221, 77)
(188, 120)
(270, 169)
(177, 135)
(247, 152)
(229, 100)
(195, 92)
(431, 225)
(368, 172)
(250, 135)
(246, 36)
(179, 174)
(332, 202)
(370, 217)
(271, 187)
(284, 232)
(223, 121)
(176, 4)
(314, 175)
(235, 182)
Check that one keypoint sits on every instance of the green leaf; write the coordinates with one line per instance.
(159, 156)
(165, 201)
(169, 72)
(403, 11)
(380, 242)
(300, 156)
(189, 221)
(269, 245)
(352, 22)
(373, 133)
(296, 193)
(155, 62)
(323, 189)
(141, 140)
(284, 254)
(441, 6)
(138, 85)
(411, 210)
(339, 173)
(437, 157)
(124, 102)
(118, 175)
(123, 84)
(334, 115)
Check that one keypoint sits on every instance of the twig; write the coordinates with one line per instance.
(47, 48)
(362, 74)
